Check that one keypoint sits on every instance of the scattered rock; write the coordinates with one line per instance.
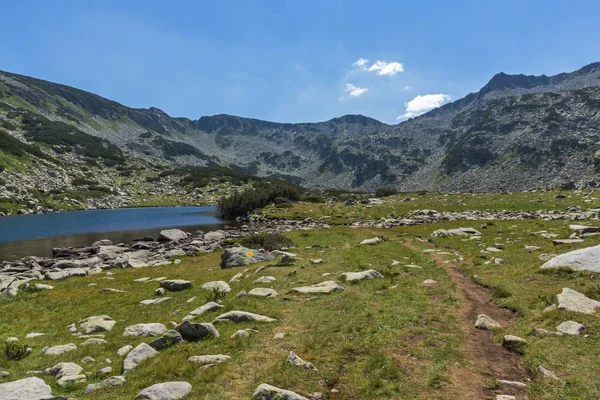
(151, 329)
(485, 322)
(58, 350)
(265, 279)
(547, 373)
(93, 341)
(269, 392)
(455, 232)
(124, 350)
(293, 359)
(241, 256)
(171, 235)
(429, 283)
(263, 292)
(209, 360)
(317, 261)
(169, 339)
(25, 389)
(571, 300)
(154, 301)
(175, 285)
(95, 324)
(375, 240)
(159, 291)
(106, 384)
(556, 242)
(359, 276)
(166, 391)
(221, 286)
(194, 331)
(208, 307)
(587, 259)
(242, 316)
(140, 353)
(323, 287)
(64, 369)
(570, 328)
(514, 343)
(515, 384)
(241, 334)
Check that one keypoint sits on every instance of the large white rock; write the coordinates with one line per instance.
(58, 350)
(359, 276)
(25, 389)
(375, 240)
(63, 369)
(571, 300)
(587, 259)
(455, 232)
(141, 353)
(486, 322)
(166, 391)
(296, 361)
(263, 292)
(570, 328)
(323, 287)
(151, 329)
(270, 392)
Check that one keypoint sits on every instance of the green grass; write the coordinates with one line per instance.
(369, 341)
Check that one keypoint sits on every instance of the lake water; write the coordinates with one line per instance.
(36, 235)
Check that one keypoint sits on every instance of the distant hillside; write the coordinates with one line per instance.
(518, 132)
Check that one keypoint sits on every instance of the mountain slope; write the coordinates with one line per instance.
(518, 132)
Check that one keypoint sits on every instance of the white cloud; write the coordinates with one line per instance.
(421, 104)
(361, 63)
(354, 90)
(384, 68)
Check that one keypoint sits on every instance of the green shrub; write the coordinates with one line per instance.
(15, 350)
(216, 295)
(267, 241)
(385, 191)
(313, 199)
(83, 182)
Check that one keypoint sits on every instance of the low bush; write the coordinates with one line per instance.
(241, 204)
(385, 191)
(15, 350)
(267, 241)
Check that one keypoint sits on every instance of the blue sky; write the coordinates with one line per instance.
(293, 61)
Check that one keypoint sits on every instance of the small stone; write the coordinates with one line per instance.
(505, 397)
(159, 292)
(221, 286)
(194, 331)
(570, 328)
(104, 371)
(429, 283)
(209, 360)
(265, 279)
(279, 335)
(485, 322)
(176, 285)
(242, 316)
(141, 353)
(34, 335)
(57, 350)
(208, 307)
(269, 392)
(101, 323)
(169, 339)
(359, 276)
(547, 373)
(317, 261)
(93, 341)
(323, 287)
(106, 384)
(298, 362)
(241, 334)
(263, 292)
(375, 240)
(87, 360)
(550, 308)
(515, 384)
(72, 380)
(4, 374)
(151, 329)
(124, 350)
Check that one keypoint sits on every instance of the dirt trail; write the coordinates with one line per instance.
(485, 358)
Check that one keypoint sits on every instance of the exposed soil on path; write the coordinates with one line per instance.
(485, 359)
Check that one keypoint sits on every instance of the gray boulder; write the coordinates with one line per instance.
(485, 322)
(242, 316)
(58, 350)
(375, 240)
(141, 353)
(323, 287)
(63, 369)
(208, 307)
(166, 391)
(106, 384)
(359, 276)
(296, 361)
(176, 285)
(241, 256)
(151, 329)
(25, 389)
(455, 232)
(209, 360)
(570, 328)
(171, 235)
(194, 331)
(169, 339)
(269, 392)
(221, 286)
(263, 292)
(95, 324)
(571, 300)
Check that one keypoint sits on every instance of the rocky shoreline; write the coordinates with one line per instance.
(146, 252)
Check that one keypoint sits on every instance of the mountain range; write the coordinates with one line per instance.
(518, 132)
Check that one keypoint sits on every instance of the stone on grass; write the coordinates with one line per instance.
(208, 307)
(263, 292)
(241, 256)
(514, 343)
(166, 391)
(151, 329)
(93, 341)
(60, 349)
(175, 285)
(515, 384)
(571, 300)
(551, 307)
(25, 389)
(34, 335)
(547, 373)
(375, 240)
(154, 301)
(106, 384)
(63, 369)
(171, 235)
(241, 334)
(556, 242)
(323, 287)
(486, 322)
(141, 353)
(587, 259)
(265, 279)
(221, 286)
(124, 350)
(505, 397)
(242, 316)
(317, 261)
(429, 283)
(359, 276)
(547, 256)
(270, 392)
(194, 331)
(159, 292)
(104, 371)
(72, 380)
(209, 360)
(169, 339)
(293, 359)
(570, 328)
(95, 324)
(455, 232)
(4, 374)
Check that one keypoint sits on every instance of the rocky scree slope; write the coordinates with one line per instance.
(518, 132)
